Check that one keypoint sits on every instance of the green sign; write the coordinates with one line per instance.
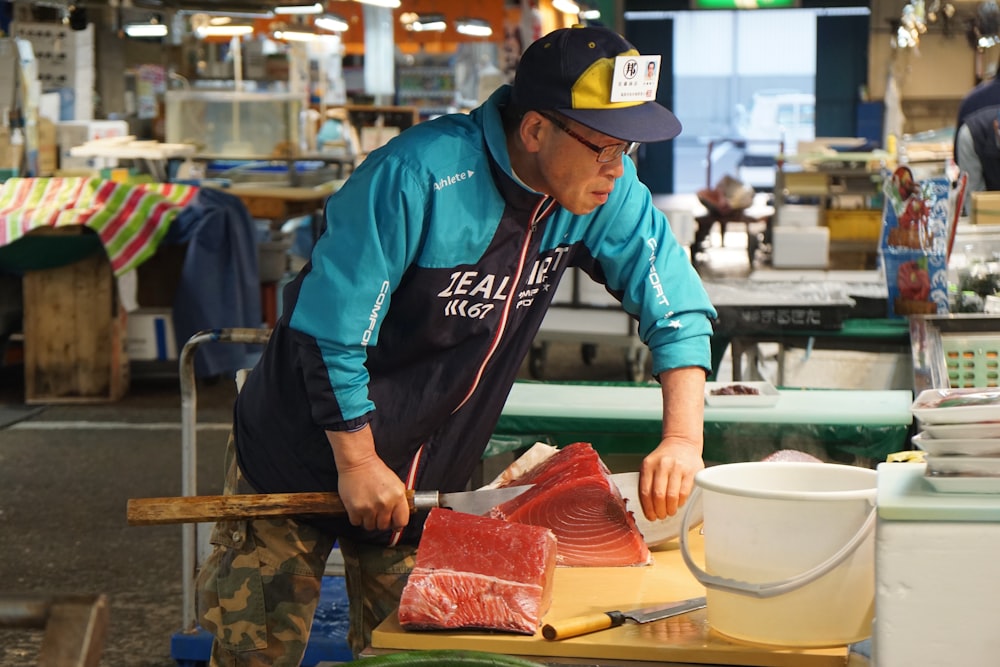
(744, 4)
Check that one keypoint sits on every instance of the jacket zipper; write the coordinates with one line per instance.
(543, 208)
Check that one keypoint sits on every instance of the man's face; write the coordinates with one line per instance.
(570, 170)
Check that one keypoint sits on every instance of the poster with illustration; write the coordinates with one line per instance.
(918, 221)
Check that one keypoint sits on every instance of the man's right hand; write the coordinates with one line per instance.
(374, 496)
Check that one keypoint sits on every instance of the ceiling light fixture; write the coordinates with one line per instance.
(566, 6)
(213, 15)
(331, 23)
(223, 30)
(140, 30)
(424, 22)
(473, 27)
(391, 4)
(315, 8)
(296, 35)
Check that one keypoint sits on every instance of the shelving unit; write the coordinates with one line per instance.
(844, 191)
(429, 88)
(65, 60)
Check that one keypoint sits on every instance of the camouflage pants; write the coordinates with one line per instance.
(258, 590)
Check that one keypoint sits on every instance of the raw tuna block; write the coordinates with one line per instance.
(479, 572)
(575, 497)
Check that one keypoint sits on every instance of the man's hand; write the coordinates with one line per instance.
(374, 496)
(666, 477)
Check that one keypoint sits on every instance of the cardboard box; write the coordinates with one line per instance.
(48, 150)
(985, 208)
(151, 335)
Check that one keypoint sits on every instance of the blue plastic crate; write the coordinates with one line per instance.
(327, 642)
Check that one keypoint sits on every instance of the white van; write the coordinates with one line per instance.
(775, 123)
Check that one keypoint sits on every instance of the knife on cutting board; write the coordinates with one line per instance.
(581, 625)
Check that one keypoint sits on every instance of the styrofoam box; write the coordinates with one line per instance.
(73, 133)
(797, 215)
(937, 594)
(151, 335)
(800, 247)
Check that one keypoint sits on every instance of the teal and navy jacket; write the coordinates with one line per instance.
(421, 300)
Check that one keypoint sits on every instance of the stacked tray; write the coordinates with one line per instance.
(960, 436)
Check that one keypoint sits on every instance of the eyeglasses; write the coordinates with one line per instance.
(608, 153)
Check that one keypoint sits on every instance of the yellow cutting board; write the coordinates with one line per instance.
(582, 590)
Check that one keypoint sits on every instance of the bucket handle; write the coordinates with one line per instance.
(775, 588)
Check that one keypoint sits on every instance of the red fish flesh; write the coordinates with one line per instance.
(575, 497)
(479, 572)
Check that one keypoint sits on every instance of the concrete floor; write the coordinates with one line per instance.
(67, 473)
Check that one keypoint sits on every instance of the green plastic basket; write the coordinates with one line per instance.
(972, 360)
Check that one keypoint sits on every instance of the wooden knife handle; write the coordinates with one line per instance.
(195, 509)
(581, 625)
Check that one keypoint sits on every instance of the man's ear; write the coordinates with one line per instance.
(530, 131)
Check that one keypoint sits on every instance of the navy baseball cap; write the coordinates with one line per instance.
(570, 70)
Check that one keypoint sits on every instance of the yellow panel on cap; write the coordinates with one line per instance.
(593, 89)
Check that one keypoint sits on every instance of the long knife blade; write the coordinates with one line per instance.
(195, 509)
(581, 625)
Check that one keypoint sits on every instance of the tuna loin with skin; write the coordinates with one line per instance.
(575, 497)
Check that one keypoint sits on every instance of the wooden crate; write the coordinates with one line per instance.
(74, 334)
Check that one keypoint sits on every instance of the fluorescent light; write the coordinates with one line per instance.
(299, 9)
(423, 23)
(223, 30)
(146, 29)
(473, 27)
(391, 4)
(566, 6)
(430, 26)
(296, 35)
(590, 14)
(228, 13)
(331, 23)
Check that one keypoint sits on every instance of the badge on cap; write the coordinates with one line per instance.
(635, 78)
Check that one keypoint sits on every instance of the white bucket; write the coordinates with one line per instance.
(789, 551)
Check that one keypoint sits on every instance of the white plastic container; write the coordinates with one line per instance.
(789, 551)
(938, 596)
(798, 215)
(800, 247)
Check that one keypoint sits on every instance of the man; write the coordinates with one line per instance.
(977, 149)
(987, 92)
(401, 338)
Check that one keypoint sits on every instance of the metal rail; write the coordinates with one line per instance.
(189, 450)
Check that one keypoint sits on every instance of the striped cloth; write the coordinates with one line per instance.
(131, 219)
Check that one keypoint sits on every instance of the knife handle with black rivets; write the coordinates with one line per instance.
(581, 625)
